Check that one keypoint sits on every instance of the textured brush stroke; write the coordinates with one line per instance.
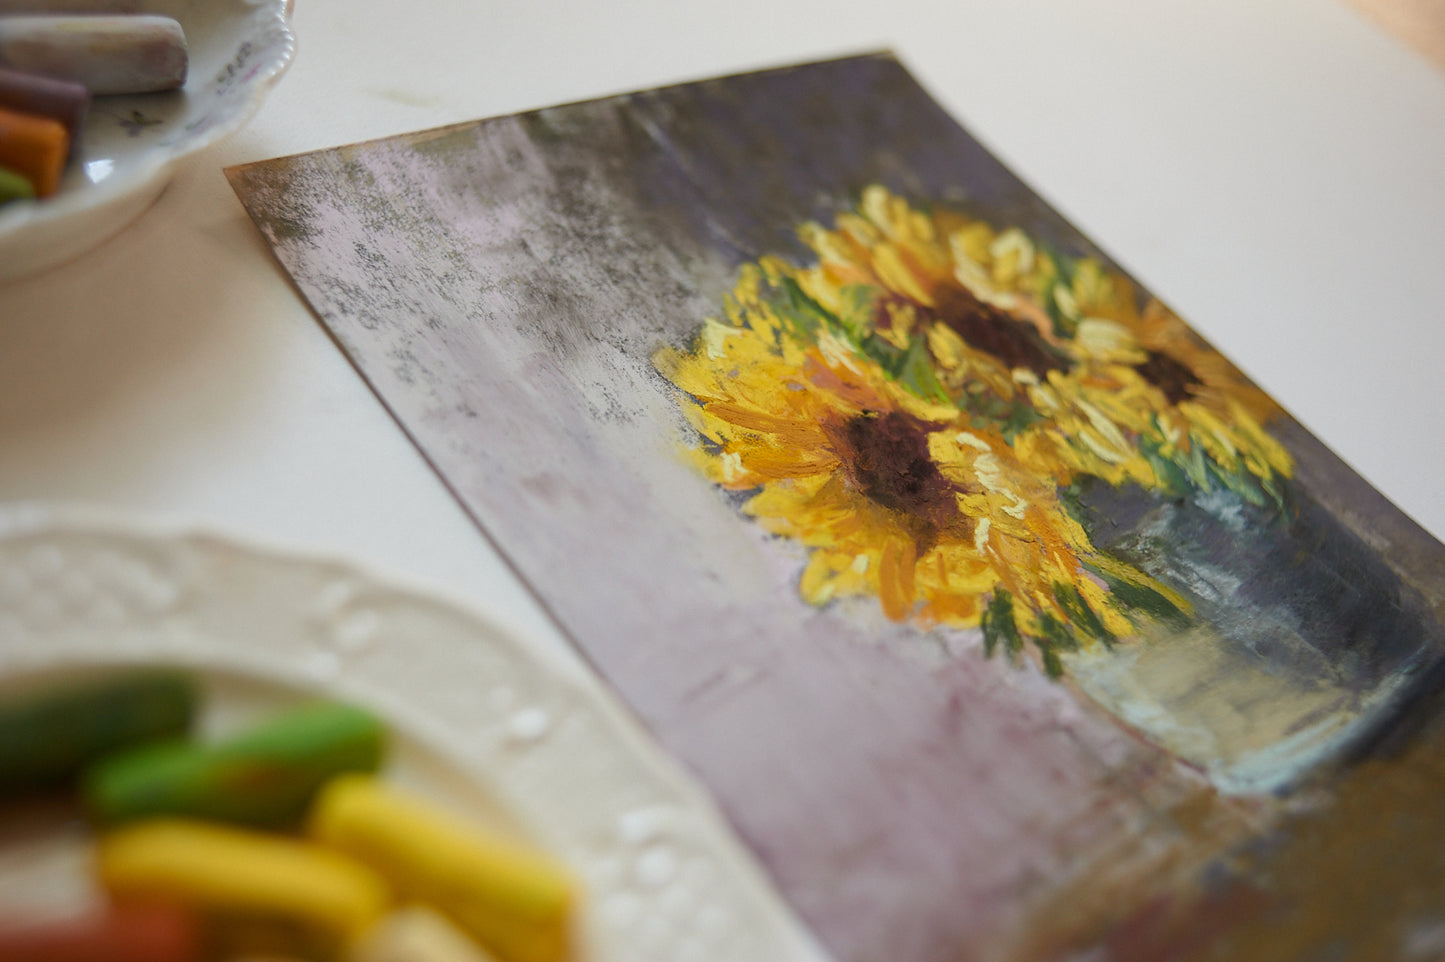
(502, 286)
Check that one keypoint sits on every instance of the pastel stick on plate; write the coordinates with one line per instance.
(34, 147)
(515, 901)
(224, 871)
(122, 933)
(14, 186)
(61, 100)
(130, 54)
(266, 775)
(417, 933)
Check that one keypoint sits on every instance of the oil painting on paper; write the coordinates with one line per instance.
(1003, 617)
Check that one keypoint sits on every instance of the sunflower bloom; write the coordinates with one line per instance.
(912, 406)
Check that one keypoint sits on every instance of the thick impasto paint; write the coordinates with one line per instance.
(1004, 618)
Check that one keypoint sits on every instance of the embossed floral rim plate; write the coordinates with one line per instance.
(131, 145)
(481, 717)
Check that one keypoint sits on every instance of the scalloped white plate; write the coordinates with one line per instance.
(131, 145)
(484, 721)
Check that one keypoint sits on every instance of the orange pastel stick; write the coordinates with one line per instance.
(135, 933)
(34, 147)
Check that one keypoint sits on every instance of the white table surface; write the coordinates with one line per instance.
(1275, 171)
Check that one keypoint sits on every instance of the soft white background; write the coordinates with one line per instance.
(1274, 170)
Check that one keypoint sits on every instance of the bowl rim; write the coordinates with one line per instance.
(150, 170)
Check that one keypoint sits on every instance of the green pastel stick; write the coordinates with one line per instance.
(14, 186)
(47, 737)
(263, 777)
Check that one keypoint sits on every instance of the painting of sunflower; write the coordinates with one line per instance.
(920, 405)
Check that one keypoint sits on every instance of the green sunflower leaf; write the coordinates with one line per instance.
(916, 374)
(1278, 490)
(1171, 478)
(1058, 270)
(1195, 466)
(998, 619)
(855, 316)
(882, 353)
(987, 411)
(1052, 664)
(1142, 599)
(1071, 499)
(1058, 635)
(804, 316)
(1081, 616)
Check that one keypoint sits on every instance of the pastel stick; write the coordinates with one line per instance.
(14, 186)
(130, 933)
(128, 54)
(35, 147)
(61, 100)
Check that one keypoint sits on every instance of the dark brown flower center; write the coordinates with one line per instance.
(1175, 379)
(885, 457)
(988, 328)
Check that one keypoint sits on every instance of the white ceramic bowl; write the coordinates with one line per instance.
(131, 144)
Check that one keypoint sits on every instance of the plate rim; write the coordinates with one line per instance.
(574, 680)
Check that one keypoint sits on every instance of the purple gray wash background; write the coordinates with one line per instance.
(503, 285)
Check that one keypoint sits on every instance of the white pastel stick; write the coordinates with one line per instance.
(129, 54)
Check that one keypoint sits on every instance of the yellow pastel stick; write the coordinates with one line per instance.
(236, 871)
(417, 933)
(513, 899)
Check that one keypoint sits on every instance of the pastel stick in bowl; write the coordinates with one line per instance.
(62, 100)
(125, 54)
